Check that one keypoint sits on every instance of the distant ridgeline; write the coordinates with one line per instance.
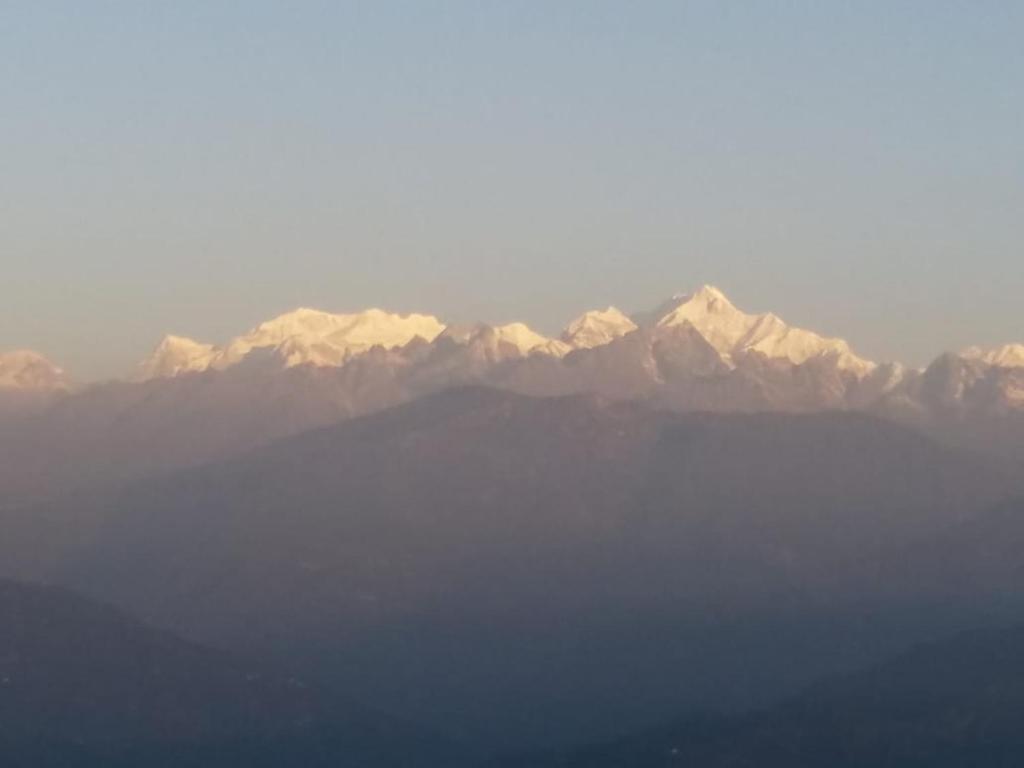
(193, 402)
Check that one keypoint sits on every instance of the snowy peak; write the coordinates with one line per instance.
(711, 313)
(597, 328)
(980, 380)
(302, 337)
(704, 295)
(367, 328)
(528, 341)
(322, 338)
(28, 371)
(1008, 356)
(516, 336)
(733, 332)
(175, 355)
(706, 298)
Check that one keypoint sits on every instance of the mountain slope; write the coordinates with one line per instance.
(974, 399)
(945, 705)
(978, 559)
(83, 686)
(460, 556)
(122, 431)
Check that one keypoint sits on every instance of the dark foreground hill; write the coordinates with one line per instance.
(951, 704)
(84, 686)
(520, 569)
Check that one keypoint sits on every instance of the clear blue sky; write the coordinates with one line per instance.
(196, 167)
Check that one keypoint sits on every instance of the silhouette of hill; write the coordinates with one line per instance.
(84, 686)
(949, 704)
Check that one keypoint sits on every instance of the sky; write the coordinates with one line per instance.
(198, 167)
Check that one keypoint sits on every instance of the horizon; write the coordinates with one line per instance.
(197, 169)
(634, 313)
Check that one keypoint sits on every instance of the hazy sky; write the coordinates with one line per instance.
(197, 167)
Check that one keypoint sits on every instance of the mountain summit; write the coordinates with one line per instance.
(26, 370)
(304, 336)
(597, 327)
(322, 338)
(175, 355)
(734, 333)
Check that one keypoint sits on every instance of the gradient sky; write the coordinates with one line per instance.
(197, 167)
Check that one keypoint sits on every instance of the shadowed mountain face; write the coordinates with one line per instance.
(83, 686)
(967, 400)
(945, 705)
(494, 564)
(123, 431)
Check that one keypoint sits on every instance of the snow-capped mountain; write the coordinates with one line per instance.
(974, 398)
(734, 333)
(302, 337)
(695, 351)
(989, 381)
(1008, 356)
(29, 383)
(29, 371)
(308, 336)
(597, 328)
(175, 355)
(527, 341)
(324, 339)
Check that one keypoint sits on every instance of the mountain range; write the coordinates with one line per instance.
(307, 336)
(192, 402)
